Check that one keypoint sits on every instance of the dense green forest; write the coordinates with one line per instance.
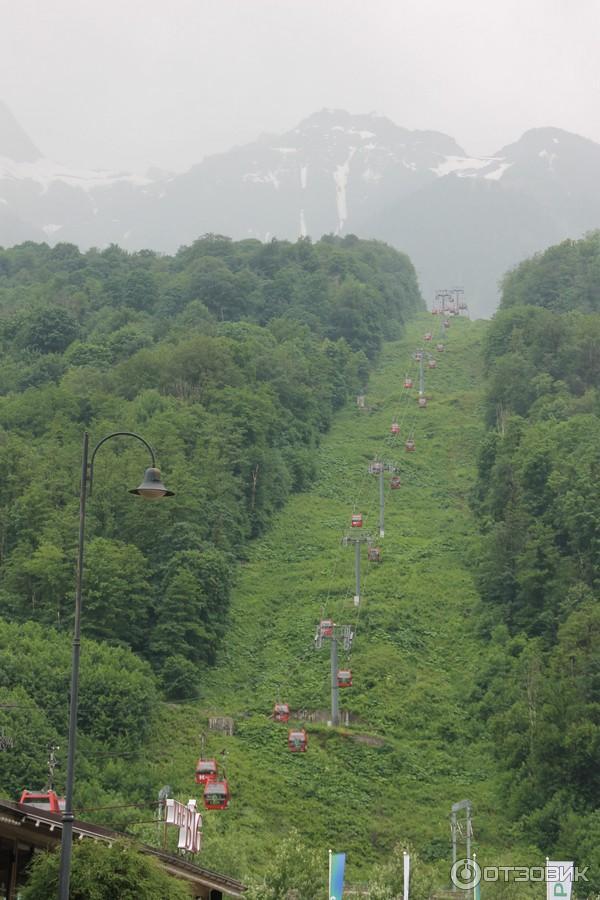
(476, 666)
(537, 497)
(231, 359)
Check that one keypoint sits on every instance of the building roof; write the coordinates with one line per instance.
(51, 824)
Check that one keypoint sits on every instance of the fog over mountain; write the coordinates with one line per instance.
(463, 220)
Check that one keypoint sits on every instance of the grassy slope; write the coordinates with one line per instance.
(413, 659)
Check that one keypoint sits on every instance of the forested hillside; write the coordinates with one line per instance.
(231, 359)
(416, 742)
(538, 500)
(474, 662)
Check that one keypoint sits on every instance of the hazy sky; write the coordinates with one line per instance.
(130, 83)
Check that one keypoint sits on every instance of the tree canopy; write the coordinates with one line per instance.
(100, 872)
(231, 359)
(538, 501)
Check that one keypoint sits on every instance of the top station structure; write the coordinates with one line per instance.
(450, 302)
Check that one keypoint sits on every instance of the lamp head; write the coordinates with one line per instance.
(152, 487)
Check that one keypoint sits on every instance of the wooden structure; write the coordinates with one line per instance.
(221, 723)
(25, 830)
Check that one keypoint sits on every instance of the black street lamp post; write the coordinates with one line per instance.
(151, 488)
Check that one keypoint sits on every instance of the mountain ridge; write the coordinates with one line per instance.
(462, 219)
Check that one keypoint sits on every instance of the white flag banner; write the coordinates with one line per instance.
(406, 874)
(559, 880)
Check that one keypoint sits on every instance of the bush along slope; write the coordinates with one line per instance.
(537, 497)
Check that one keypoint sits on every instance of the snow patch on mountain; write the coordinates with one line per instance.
(45, 172)
(460, 163)
(303, 228)
(262, 178)
(496, 174)
(370, 175)
(365, 135)
(549, 157)
(340, 176)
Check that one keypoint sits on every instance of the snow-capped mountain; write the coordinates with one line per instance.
(463, 220)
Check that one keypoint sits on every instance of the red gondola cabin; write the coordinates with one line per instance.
(408, 382)
(422, 401)
(48, 800)
(216, 795)
(206, 771)
(344, 678)
(395, 428)
(356, 521)
(281, 712)
(428, 336)
(410, 446)
(298, 741)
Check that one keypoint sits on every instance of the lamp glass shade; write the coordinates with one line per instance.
(151, 487)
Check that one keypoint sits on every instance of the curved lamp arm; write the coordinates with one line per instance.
(90, 473)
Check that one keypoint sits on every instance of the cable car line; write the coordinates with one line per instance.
(404, 425)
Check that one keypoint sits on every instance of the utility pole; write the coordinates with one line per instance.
(461, 830)
(335, 712)
(53, 764)
(357, 541)
(381, 504)
(335, 633)
(164, 793)
(380, 468)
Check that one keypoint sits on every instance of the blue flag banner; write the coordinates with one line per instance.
(337, 863)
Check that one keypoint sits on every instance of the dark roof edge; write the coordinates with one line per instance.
(26, 811)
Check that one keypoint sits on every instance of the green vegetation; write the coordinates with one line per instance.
(100, 872)
(537, 497)
(237, 410)
(475, 657)
(418, 744)
(117, 691)
(562, 278)
(231, 358)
